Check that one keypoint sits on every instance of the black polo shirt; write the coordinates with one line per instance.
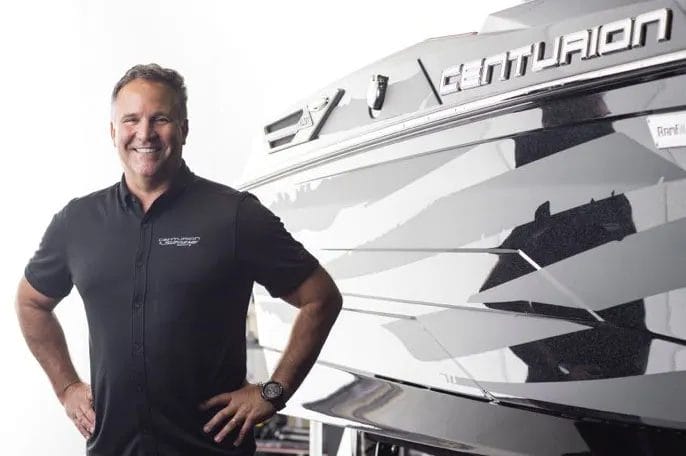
(166, 294)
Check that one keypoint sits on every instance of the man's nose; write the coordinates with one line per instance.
(146, 130)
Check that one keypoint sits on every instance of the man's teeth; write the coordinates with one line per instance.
(146, 150)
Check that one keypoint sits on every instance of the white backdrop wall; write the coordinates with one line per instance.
(244, 62)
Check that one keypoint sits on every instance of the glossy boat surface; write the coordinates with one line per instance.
(512, 257)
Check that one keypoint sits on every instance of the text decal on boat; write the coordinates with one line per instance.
(617, 36)
(668, 130)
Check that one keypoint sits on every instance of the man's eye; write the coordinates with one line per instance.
(130, 120)
(162, 119)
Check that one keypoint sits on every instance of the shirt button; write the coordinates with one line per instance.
(139, 388)
(138, 347)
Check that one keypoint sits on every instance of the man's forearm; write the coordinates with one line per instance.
(45, 338)
(309, 332)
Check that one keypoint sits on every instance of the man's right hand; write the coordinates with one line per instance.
(77, 400)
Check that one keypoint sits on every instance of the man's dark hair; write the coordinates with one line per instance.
(154, 72)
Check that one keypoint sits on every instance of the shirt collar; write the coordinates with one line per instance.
(180, 181)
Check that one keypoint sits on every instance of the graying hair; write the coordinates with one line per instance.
(154, 72)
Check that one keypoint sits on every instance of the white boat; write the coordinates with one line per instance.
(505, 216)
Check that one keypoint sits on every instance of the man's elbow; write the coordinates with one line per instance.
(334, 303)
(319, 296)
(329, 302)
(338, 300)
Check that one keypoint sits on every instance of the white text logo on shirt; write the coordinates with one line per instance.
(186, 241)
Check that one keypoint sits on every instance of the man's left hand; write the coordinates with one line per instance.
(244, 407)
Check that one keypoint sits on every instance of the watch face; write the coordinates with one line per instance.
(272, 390)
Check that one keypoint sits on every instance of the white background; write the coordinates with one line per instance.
(243, 62)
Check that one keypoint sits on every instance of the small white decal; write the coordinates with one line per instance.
(668, 130)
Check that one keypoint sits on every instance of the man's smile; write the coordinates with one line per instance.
(146, 150)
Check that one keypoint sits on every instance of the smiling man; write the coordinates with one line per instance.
(165, 262)
(149, 128)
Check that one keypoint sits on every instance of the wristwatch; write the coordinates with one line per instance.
(273, 392)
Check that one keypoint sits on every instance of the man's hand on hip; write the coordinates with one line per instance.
(77, 400)
(242, 408)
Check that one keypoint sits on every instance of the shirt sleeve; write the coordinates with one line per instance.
(48, 271)
(267, 251)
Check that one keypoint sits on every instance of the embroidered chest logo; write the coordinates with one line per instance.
(186, 241)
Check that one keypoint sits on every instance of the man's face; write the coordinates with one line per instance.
(147, 130)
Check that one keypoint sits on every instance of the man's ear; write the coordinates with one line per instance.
(184, 130)
(112, 132)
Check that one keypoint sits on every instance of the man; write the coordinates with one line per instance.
(165, 262)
